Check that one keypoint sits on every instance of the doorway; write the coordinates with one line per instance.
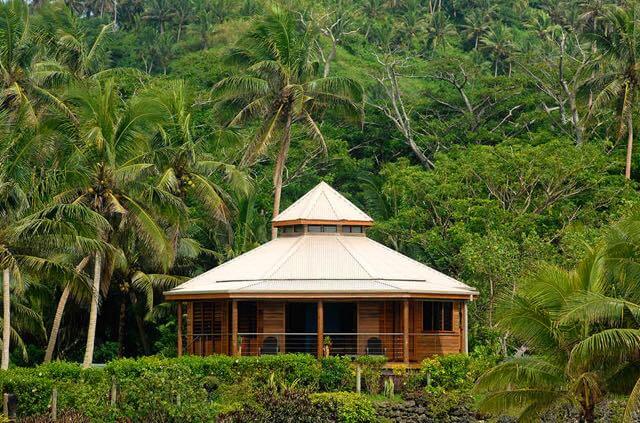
(301, 327)
(341, 325)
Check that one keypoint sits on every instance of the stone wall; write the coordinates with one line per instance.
(417, 408)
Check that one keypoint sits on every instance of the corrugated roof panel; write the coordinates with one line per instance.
(323, 203)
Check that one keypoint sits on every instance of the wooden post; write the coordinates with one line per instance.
(54, 404)
(234, 327)
(465, 328)
(405, 331)
(114, 391)
(179, 328)
(358, 378)
(320, 329)
(190, 349)
(9, 406)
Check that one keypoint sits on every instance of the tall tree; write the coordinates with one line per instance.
(282, 87)
(620, 79)
(107, 174)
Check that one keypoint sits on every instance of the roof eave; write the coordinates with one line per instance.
(278, 223)
(298, 294)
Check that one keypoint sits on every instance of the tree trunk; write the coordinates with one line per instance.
(179, 31)
(330, 58)
(140, 323)
(587, 415)
(627, 169)
(55, 327)
(495, 69)
(93, 312)
(121, 326)
(6, 317)
(278, 171)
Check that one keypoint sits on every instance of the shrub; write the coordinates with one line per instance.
(454, 371)
(31, 387)
(283, 405)
(351, 407)
(65, 417)
(336, 374)
(372, 372)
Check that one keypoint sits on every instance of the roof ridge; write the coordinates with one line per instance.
(430, 269)
(335, 212)
(284, 258)
(318, 192)
(365, 268)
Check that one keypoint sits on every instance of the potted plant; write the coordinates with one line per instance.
(326, 346)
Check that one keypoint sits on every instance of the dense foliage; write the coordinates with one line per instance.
(142, 142)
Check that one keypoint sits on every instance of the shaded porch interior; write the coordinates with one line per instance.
(402, 330)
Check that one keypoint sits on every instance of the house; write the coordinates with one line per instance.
(323, 287)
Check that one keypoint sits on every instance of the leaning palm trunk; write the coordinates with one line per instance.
(93, 313)
(277, 172)
(6, 316)
(627, 169)
(55, 327)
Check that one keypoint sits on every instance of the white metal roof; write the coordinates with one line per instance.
(323, 263)
(323, 203)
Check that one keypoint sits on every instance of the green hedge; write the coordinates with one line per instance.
(186, 389)
(352, 407)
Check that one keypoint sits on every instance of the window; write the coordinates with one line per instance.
(352, 229)
(323, 228)
(437, 316)
(298, 228)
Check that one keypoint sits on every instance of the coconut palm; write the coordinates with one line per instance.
(615, 312)
(439, 29)
(107, 175)
(34, 233)
(476, 24)
(282, 86)
(187, 163)
(20, 86)
(620, 77)
(498, 42)
(565, 366)
(76, 53)
(159, 11)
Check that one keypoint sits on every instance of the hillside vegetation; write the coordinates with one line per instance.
(145, 141)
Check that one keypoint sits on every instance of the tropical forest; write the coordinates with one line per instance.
(144, 142)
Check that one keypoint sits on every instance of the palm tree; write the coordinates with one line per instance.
(439, 29)
(499, 43)
(282, 87)
(615, 312)
(476, 24)
(31, 229)
(620, 78)
(188, 164)
(20, 87)
(159, 11)
(77, 53)
(542, 25)
(182, 11)
(564, 367)
(108, 176)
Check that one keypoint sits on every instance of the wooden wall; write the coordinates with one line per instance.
(271, 319)
(425, 344)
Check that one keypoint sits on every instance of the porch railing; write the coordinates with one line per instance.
(343, 344)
